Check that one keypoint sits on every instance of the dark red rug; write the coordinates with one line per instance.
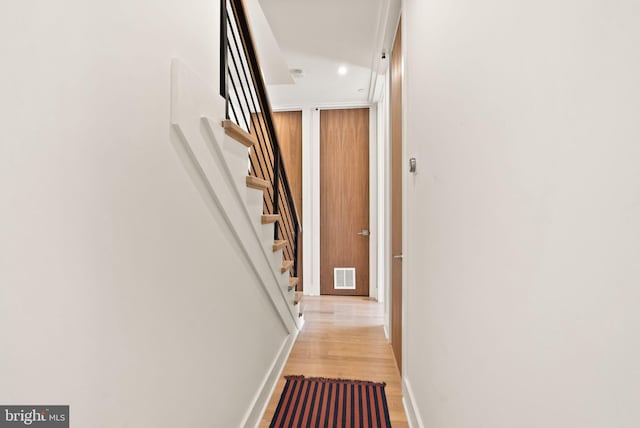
(319, 403)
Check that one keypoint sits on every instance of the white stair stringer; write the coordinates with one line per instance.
(237, 157)
(292, 296)
(238, 176)
(266, 235)
(264, 232)
(285, 285)
(220, 174)
(284, 278)
(255, 201)
(277, 257)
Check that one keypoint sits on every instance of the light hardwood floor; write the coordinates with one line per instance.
(343, 337)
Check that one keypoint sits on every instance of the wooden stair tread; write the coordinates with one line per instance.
(279, 244)
(257, 183)
(298, 297)
(286, 265)
(238, 134)
(293, 281)
(270, 218)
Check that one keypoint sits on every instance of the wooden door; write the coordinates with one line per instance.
(396, 198)
(288, 126)
(344, 198)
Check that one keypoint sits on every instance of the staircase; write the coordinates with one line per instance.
(253, 152)
(236, 147)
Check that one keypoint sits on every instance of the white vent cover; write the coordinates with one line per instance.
(344, 278)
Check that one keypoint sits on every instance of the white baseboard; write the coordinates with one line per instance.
(410, 407)
(261, 400)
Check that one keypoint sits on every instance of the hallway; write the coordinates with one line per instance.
(343, 337)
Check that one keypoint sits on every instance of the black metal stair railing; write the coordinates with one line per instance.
(247, 105)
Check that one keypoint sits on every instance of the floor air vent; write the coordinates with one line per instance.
(344, 278)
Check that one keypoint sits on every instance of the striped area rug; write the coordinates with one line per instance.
(320, 402)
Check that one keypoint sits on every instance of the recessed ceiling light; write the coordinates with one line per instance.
(342, 70)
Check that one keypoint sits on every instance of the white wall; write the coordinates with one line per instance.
(121, 292)
(523, 222)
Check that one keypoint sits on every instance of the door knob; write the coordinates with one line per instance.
(363, 232)
(398, 256)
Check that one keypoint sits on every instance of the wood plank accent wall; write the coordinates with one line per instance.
(288, 126)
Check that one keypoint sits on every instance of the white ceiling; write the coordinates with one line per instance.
(319, 36)
(274, 66)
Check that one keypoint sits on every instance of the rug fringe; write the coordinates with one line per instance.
(331, 380)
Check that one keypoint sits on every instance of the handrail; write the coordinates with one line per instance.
(255, 112)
